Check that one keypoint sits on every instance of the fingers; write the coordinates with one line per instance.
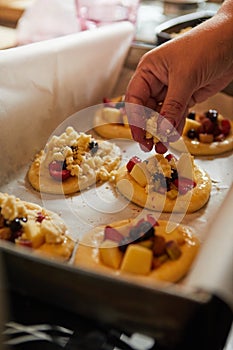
(137, 120)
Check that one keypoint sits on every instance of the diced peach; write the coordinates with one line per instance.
(139, 173)
(125, 120)
(111, 115)
(110, 254)
(184, 165)
(5, 233)
(33, 233)
(137, 259)
(190, 124)
(206, 138)
(131, 163)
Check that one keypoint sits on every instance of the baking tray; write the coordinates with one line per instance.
(187, 315)
(178, 318)
(175, 25)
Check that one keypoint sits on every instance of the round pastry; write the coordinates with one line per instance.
(111, 120)
(29, 225)
(164, 183)
(72, 162)
(144, 249)
(206, 134)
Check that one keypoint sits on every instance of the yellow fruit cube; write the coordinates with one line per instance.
(206, 138)
(111, 115)
(137, 259)
(184, 165)
(125, 120)
(33, 232)
(190, 124)
(110, 254)
(140, 173)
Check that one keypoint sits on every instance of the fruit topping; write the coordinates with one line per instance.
(137, 259)
(40, 217)
(159, 247)
(140, 250)
(170, 156)
(58, 171)
(93, 145)
(114, 110)
(141, 232)
(206, 138)
(212, 114)
(207, 127)
(225, 127)
(112, 234)
(140, 173)
(134, 160)
(184, 184)
(163, 174)
(192, 134)
(191, 115)
(173, 250)
(110, 255)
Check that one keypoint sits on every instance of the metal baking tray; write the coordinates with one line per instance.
(177, 317)
(175, 25)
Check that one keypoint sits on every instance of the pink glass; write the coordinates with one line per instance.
(95, 13)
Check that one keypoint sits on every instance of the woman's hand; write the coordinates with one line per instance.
(180, 73)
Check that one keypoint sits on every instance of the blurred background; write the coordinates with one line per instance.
(24, 21)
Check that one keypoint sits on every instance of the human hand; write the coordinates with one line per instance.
(182, 72)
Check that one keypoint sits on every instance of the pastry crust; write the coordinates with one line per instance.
(87, 254)
(190, 202)
(110, 130)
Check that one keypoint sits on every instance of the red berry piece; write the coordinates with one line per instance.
(152, 220)
(106, 100)
(207, 126)
(139, 222)
(112, 234)
(134, 160)
(170, 156)
(219, 138)
(184, 184)
(225, 127)
(217, 130)
(108, 103)
(40, 217)
(24, 242)
(57, 172)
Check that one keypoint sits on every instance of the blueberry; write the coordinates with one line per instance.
(191, 115)
(123, 244)
(192, 134)
(120, 105)
(174, 174)
(93, 147)
(142, 232)
(15, 225)
(212, 114)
